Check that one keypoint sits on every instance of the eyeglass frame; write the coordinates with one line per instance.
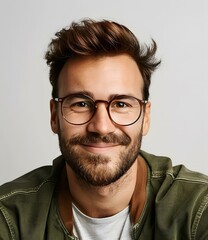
(107, 104)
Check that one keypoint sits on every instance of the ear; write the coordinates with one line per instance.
(146, 120)
(54, 116)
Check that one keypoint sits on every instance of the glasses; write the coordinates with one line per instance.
(78, 109)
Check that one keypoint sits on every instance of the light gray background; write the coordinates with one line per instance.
(178, 93)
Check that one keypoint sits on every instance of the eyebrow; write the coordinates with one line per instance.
(91, 95)
(88, 93)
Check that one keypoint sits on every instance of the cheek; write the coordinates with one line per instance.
(133, 131)
(68, 130)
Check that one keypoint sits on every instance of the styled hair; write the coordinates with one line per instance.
(96, 39)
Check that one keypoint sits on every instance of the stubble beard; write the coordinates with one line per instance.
(99, 169)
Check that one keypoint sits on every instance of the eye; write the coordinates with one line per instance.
(120, 107)
(81, 104)
(120, 104)
(77, 104)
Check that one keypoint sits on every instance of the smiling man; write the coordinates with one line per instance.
(103, 186)
(100, 139)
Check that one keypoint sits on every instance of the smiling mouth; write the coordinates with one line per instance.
(99, 147)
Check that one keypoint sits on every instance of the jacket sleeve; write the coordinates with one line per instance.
(201, 221)
(6, 228)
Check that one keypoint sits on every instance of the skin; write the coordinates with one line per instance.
(102, 78)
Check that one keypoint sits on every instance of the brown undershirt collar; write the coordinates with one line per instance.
(137, 202)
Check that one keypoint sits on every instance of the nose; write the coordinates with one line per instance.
(101, 122)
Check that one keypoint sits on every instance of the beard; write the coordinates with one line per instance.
(99, 169)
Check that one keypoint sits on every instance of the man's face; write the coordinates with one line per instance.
(100, 151)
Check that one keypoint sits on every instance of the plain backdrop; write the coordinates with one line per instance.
(179, 90)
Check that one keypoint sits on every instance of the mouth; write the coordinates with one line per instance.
(99, 147)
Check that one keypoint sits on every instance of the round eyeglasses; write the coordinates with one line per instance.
(78, 109)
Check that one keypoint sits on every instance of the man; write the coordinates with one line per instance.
(103, 186)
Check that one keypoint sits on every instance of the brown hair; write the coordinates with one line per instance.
(99, 38)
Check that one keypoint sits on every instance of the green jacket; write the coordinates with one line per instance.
(176, 206)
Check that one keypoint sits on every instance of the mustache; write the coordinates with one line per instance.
(91, 138)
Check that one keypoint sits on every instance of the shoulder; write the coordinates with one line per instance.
(31, 182)
(181, 196)
(161, 167)
(27, 198)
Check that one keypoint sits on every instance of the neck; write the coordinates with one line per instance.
(102, 201)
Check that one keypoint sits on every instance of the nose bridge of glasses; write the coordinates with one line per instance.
(101, 101)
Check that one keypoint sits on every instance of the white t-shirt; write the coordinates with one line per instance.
(116, 227)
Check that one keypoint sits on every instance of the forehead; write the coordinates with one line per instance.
(103, 76)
